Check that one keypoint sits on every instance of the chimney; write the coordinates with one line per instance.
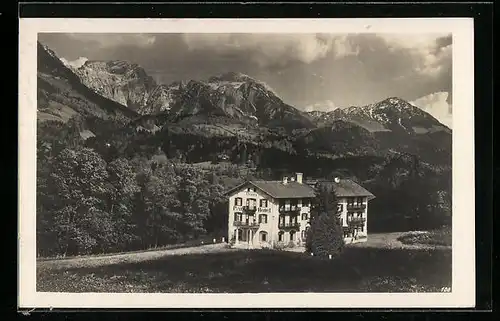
(299, 177)
(285, 180)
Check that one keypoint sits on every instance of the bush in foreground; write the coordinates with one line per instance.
(436, 237)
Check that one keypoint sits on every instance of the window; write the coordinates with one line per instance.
(238, 217)
(281, 205)
(340, 207)
(251, 202)
(263, 203)
(350, 200)
(293, 204)
(282, 220)
(280, 236)
(360, 215)
(238, 201)
(263, 218)
(240, 235)
(292, 235)
(263, 236)
(359, 200)
(304, 216)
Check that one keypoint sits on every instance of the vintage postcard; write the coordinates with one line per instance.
(246, 163)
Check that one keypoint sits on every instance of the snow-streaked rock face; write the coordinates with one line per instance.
(61, 94)
(121, 81)
(391, 114)
(237, 96)
(230, 94)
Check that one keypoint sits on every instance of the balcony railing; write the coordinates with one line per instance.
(356, 206)
(290, 210)
(356, 221)
(289, 225)
(250, 210)
(246, 224)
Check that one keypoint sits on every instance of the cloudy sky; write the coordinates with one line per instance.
(308, 71)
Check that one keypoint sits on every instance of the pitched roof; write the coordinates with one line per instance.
(277, 189)
(347, 188)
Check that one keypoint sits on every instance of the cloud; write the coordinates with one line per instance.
(105, 40)
(431, 53)
(75, 63)
(272, 49)
(326, 105)
(437, 105)
(350, 69)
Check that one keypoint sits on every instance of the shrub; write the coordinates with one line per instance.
(279, 246)
(441, 237)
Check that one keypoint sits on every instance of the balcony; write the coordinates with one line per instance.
(250, 224)
(289, 225)
(290, 210)
(356, 221)
(356, 207)
(249, 210)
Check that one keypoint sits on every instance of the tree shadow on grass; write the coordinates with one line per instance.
(356, 270)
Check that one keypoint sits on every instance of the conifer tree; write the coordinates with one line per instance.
(324, 236)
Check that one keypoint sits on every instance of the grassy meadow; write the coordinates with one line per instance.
(227, 271)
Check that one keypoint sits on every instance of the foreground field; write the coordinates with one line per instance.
(358, 270)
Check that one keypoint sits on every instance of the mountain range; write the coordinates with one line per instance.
(123, 91)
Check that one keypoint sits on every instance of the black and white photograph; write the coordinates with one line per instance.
(230, 159)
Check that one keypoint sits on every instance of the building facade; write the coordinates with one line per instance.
(271, 214)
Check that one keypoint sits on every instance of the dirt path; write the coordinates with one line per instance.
(95, 261)
(390, 241)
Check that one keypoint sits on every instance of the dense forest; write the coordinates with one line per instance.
(130, 189)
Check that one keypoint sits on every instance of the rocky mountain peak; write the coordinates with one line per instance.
(390, 114)
(231, 76)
